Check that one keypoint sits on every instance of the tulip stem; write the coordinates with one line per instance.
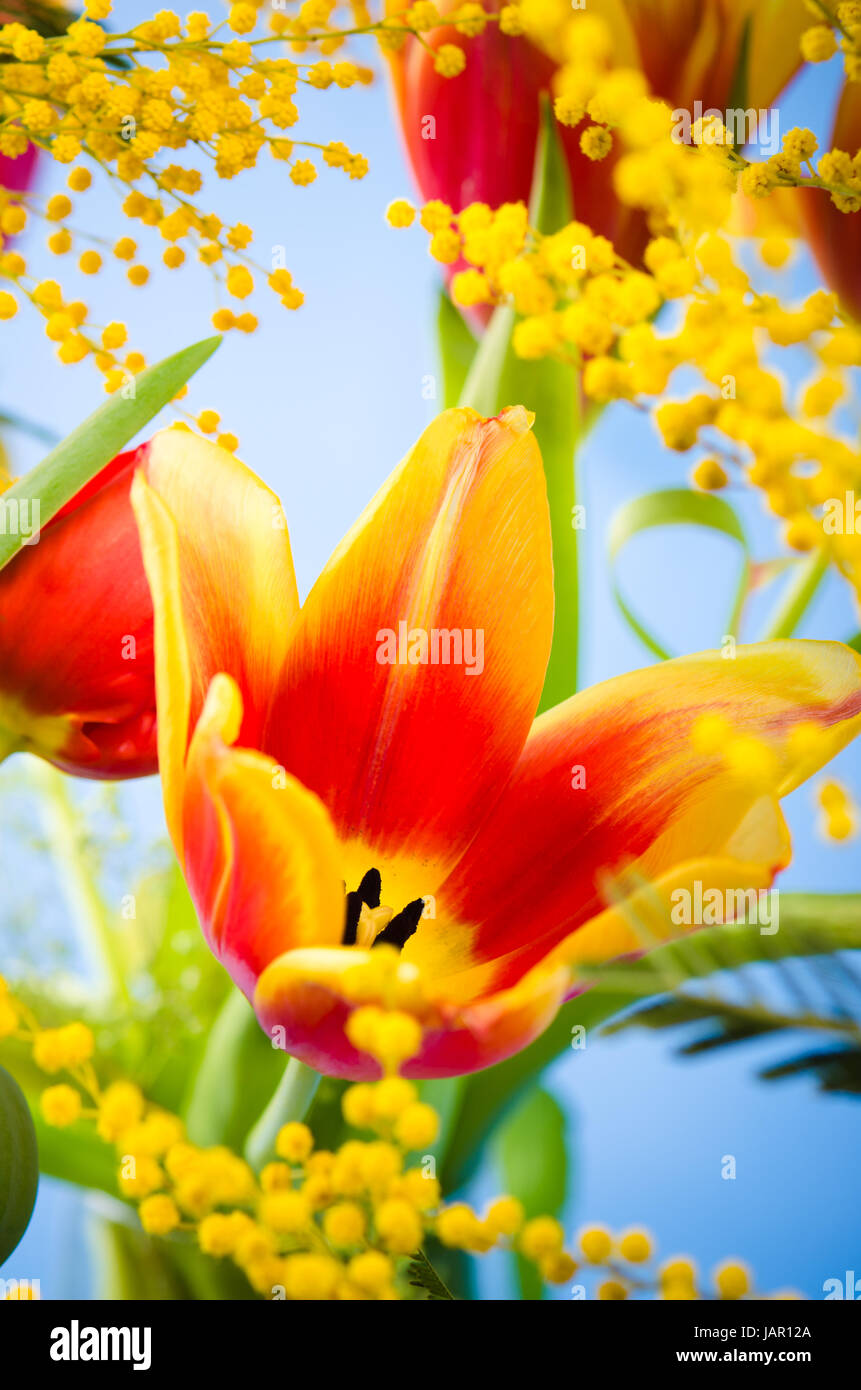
(291, 1101)
(62, 825)
(798, 596)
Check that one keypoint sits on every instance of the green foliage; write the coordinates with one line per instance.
(533, 1157)
(810, 924)
(84, 452)
(19, 1165)
(422, 1275)
(675, 507)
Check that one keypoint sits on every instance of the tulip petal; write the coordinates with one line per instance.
(409, 755)
(76, 681)
(539, 867)
(261, 856)
(218, 560)
(833, 235)
(303, 995)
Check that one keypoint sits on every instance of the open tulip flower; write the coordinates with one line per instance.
(833, 229)
(76, 647)
(366, 809)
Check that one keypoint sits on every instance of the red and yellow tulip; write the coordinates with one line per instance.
(360, 826)
(482, 143)
(835, 235)
(76, 648)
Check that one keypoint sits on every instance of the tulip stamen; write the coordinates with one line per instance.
(367, 923)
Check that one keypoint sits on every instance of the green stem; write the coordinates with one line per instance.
(62, 826)
(798, 596)
(291, 1101)
(560, 680)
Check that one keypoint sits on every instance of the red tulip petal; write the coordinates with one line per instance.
(261, 858)
(76, 642)
(540, 866)
(301, 999)
(218, 560)
(409, 757)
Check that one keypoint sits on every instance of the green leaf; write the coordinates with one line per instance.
(422, 1275)
(133, 1265)
(457, 348)
(855, 642)
(550, 389)
(237, 1076)
(534, 1161)
(798, 594)
(810, 924)
(54, 481)
(19, 1165)
(675, 507)
(77, 1155)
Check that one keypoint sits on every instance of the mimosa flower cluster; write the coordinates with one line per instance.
(157, 110)
(578, 300)
(838, 30)
(316, 1224)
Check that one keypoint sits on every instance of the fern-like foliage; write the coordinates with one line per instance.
(733, 984)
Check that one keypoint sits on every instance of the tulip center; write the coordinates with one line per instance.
(367, 923)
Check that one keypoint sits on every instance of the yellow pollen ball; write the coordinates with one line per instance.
(417, 1126)
(635, 1245)
(709, 475)
(79, 180)
(505, 1216)
(596, 1244)
(344, 1224)
(399, 1226)
(61, 1105)
(541, 1236)
(159, 1215)
(294, 1142)
(239, 282)
(285, 1212)
(372, 1271)
(400, 213)
(558, 1269)
(732, 1280)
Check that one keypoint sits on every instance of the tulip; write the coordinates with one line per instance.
(76, 658)
(835, 236)
(482, 142)
(16, 175)
(367, 811)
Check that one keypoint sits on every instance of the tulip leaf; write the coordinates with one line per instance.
(810, 924)
(79, 457)
(19, 1164)
(533, 1156)
(675, 507)
(808, 574)
(238, 1073)
(551, 390)
(132, 1265)
(457, 348)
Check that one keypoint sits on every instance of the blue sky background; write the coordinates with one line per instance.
(325, 402)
